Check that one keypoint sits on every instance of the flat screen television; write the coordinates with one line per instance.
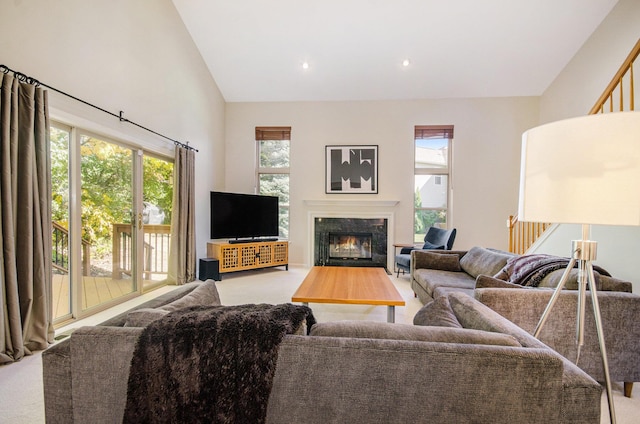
(243, 216)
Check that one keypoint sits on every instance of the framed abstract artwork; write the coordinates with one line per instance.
(351, 169)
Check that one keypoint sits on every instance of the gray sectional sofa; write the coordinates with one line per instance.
(486, 369)
(474, 272)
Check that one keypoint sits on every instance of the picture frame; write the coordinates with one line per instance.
(351, 169)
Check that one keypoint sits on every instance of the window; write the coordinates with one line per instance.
(272, 144)
(432, 174)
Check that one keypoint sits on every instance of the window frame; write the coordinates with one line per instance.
(274, 134)
(425, 132)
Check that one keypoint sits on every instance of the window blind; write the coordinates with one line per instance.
(273, 133)
(423, 132)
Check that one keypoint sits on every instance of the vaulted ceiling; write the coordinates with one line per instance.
(354, 49)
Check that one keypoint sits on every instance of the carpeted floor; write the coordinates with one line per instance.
(21, 398)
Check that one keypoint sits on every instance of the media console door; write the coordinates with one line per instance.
(251, 255)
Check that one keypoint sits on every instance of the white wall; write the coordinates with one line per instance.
(486, 157)
(583, 80)
(573, 93)
(134, 56)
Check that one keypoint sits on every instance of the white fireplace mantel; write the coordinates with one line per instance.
(351, 203)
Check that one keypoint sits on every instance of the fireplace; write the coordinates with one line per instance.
(349, 246)
(350, 241)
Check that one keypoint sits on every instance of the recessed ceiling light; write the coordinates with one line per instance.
(305, 65)
(406, 63)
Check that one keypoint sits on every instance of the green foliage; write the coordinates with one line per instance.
(158, 185)
(425, 218)
(106, 186)
(59, 176)
(278, 185)
(274, 153)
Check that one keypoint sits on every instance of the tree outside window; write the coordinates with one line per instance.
(273, 169)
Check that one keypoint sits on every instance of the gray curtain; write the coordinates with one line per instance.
(182, 256)
(26, 321)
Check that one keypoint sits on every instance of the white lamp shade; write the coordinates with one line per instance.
(582, 170)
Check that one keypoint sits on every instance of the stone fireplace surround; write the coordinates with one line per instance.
(354, 211)
(374, 230)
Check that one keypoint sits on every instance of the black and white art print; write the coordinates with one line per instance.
(351, 169)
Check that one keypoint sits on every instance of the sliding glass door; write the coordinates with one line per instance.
(111, 212)
(108, 221)
(60, 137)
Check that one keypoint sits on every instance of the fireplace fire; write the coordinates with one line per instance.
(350, 245)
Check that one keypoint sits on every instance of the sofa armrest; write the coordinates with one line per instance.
(485, 281)
(101, 358)
(619, 312)
(56, 379)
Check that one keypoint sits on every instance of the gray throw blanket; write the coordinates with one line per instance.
(209, 364)
(530, 270)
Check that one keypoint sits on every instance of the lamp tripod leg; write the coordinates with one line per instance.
(554, 298)
(603, 350)
(586, 277)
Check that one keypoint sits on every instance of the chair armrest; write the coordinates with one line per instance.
(407, 250)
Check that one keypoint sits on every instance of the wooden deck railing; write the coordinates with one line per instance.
(619, 96)
(60, 251)
(156, 243)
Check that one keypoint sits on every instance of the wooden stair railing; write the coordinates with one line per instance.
(523, 234)
(619, 96)
(616, 88)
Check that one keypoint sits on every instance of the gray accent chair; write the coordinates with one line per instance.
(435, 239)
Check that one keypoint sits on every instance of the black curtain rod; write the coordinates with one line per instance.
(29, 80)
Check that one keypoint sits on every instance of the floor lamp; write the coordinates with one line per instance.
(585, 171)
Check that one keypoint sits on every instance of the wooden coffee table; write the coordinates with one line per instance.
(349, 285)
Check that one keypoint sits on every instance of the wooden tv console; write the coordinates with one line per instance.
(249, 255)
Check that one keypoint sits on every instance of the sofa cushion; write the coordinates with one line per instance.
(431, 279)
(483, 261)
(437, 313)
(383, 330)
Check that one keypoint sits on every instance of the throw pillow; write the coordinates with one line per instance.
(441, 261)
(437, 313)
(479, 260)
(205, 294)
(383, 330)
